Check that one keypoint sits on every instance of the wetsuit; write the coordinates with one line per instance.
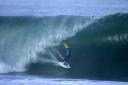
(67, 52)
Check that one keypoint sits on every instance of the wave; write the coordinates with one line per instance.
(98, 50)
(23, 38)
(98, 45)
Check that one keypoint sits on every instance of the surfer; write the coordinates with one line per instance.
(67, 49)
(65, 62)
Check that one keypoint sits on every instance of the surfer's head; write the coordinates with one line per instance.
(66, 40)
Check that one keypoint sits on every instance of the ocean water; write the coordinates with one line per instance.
(33, 80)
(65, 7)
(31, 35)
(32, 46)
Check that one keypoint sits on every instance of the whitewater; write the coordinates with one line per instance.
(33, 80)
(23, 37)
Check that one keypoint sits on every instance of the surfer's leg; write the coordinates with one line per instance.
(67, 55)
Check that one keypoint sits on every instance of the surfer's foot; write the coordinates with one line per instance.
(64, 63)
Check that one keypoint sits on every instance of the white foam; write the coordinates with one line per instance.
(4, 68)
(24, 80)
(21, 46)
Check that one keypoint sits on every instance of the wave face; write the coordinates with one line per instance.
(99, 50)
(23, 39)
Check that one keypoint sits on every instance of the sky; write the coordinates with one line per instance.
(61, 7)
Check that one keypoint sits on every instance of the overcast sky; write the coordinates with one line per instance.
(61, 7)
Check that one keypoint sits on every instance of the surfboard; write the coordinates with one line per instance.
(64, 65)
